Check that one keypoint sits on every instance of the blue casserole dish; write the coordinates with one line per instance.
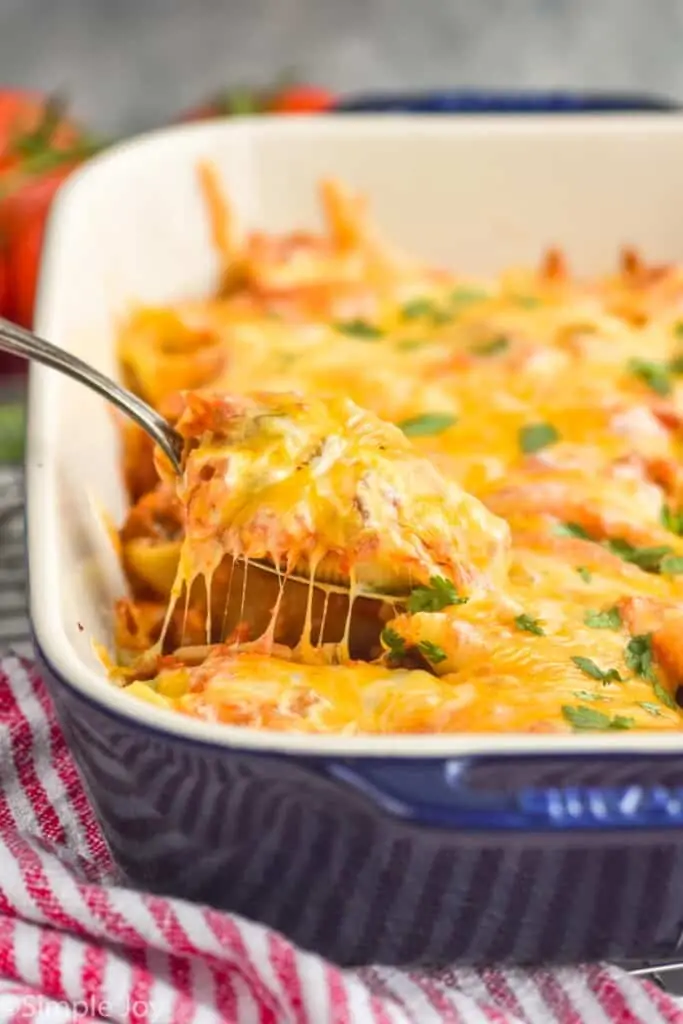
(399, 850)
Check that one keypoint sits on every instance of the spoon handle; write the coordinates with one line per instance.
(22, 342)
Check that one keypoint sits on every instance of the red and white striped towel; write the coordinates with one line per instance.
(76, 945)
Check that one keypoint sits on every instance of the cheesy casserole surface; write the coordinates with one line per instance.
(411, 501)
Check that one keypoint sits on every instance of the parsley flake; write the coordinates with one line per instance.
(394, 642)
(571, 530)
(439, 594)
(647, 558)
(581, 719)
(664, 696)
(587, 695)
(589, 668)
(585, 574)
(609, 619)
(672, 565)
(638, 656)
(463, 297)
(655, 375)
(672, 520)
(427, 425)
(432, 652)
(359, 329)
(493, 347)
(529, 624)
(652, 709)
(536, 436)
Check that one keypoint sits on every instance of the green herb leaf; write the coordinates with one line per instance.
(493, 347)
(460, 298)
(535, 436)
(359, 329)
(587, 695)
(571, 530)
(676, 365)
(638, 656)
(672, 520)
(439, 594)
(529, 624)
(589, 668)
(664, 696)
(396, 644)
(582, 719)
(621, 722)
(671, 565)
(585, 718)
(585, 574)
(647, 558)
(428, 424)
(655, 375)
(12, 429)
(652, 709)
(609, 619)
(417, 308)
(678, 329)
(432, 652)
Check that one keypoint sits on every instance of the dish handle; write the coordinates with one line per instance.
(505, 794)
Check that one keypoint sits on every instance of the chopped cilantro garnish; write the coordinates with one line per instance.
(655, 375)
(587, 695)
(535, 436)
(428, 424)
(493, 347)
(652, 709)
(432, 652)
(582, 718)
(439, 594)
(663, 695)
(638, 656)
(589, 668)
(609, 619)
(394, 642)
(529, 624)
(672, 520)
(359, 329)
(672, 565)
(585, 574)
(571, 530)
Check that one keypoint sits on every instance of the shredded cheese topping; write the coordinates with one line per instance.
(412, 501)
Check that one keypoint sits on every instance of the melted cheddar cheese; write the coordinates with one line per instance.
(412, 501)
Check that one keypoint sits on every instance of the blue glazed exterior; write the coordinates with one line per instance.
(469, 101)
(327, 852)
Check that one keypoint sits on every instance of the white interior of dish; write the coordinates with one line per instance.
(478, 194)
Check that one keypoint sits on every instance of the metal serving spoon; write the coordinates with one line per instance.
(21, 342)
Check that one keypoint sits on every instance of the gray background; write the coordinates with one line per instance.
(132, 63)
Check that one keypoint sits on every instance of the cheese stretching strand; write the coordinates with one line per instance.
(494, 476)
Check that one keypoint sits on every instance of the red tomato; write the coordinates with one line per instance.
(39, 147)
(302, 99)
